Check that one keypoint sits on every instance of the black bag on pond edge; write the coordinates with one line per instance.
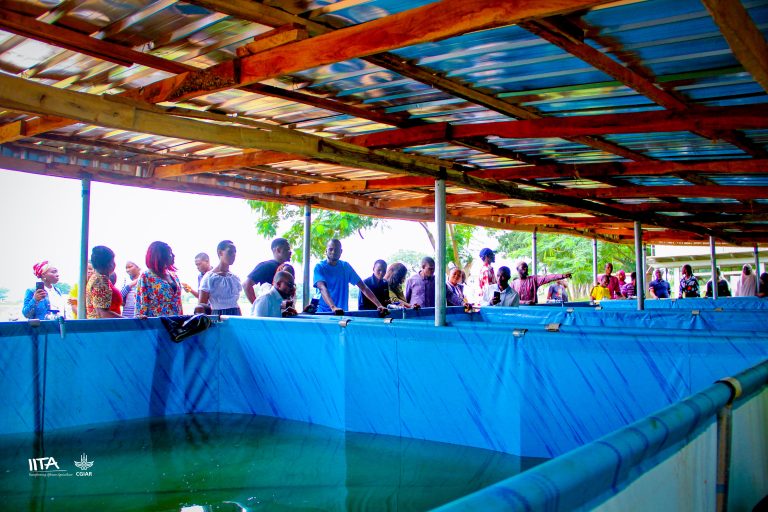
(182, 327)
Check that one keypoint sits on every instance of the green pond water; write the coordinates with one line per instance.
(233, 462)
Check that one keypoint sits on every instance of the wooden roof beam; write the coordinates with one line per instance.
(121, 113)
(615, 169)
(434, 21)
(743, 36)
(357, 186)
(276, 17)
(751, 117)
(224, 163)
(560, 32)
(730, 192)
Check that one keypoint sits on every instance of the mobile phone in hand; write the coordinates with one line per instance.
(39, 285)
(497, 296)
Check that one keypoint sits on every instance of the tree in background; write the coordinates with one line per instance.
(64, 288)
(326, 225)
(3, 293)
(411, 259)
(559, 254)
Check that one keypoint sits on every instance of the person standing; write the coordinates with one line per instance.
(203, 264)
(102, 299)
(395, 277)
(270, 304)
(527, 287)
(219, 287)
(454, 291)
(747, 285)
(378, 286)
(158, 292)
(629, 290)
(689, 285)
(613, 282)
(659, 288)
(723, 290)
(332, 278)
(420, 288)
(487, 275)
(128, 292)
(46, 297)
(557, 292)
(265, 271)
(501, 293)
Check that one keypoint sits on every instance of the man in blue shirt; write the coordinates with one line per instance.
(332, 278)
(659, 288)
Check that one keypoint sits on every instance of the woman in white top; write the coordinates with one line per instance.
(219, 287)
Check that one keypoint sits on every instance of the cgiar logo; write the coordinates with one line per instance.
(84, 464)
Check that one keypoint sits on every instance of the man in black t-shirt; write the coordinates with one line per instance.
(265, 271)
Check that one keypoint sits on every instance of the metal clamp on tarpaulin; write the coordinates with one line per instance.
(717, 309)
(389, 320)
(735, 386)
(553, 327)
(519, 333)
(34, 322)
(695, 312)
(569, 310)
(344, 322)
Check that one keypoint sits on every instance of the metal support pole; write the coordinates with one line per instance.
(715, 280)
(534, 255)
(440, 256)
(724, 436)
(594, 259)
(639, 269)
(84, 228)
(757, 269)
(306, 253)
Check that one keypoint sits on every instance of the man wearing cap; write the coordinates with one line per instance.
(527, 286)
(487, 275)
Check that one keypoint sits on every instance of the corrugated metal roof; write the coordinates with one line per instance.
(675, 49)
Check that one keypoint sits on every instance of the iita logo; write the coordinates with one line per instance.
(84, 464)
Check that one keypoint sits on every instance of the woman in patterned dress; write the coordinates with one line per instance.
(158, 291)
(102, 299)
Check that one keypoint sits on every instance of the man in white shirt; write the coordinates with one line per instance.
(504, 294)
(270, 304)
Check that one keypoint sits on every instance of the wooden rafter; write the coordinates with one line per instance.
(731, 192)
(748, 117)
(560, 32)
(743, 36)
(430, 22)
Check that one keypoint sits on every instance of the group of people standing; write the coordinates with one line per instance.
(614, 287)
(270, 287)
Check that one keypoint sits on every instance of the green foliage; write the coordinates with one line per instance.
(326, 225)
(463, 235)
(63, 287)
(411, 259)
(562, 253)
(3, 293)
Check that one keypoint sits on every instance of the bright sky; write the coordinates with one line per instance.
(41, 220)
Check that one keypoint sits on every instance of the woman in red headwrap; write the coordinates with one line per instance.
(45, 298)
